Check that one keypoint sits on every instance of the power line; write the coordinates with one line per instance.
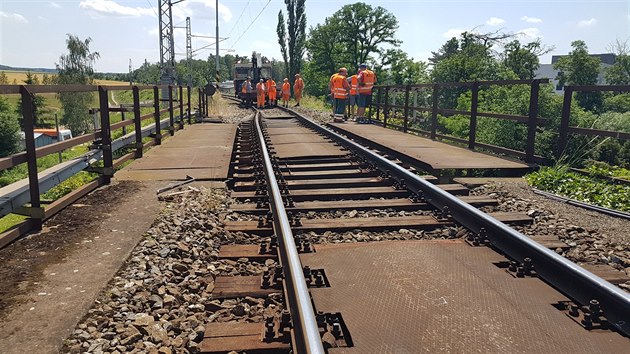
(250, 24)
(239, 17)
(152, 7)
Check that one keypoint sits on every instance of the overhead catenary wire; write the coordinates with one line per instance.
(250, 24)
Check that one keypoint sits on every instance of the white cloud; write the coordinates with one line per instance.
(453, 32)
(530, 33)
(531, 19)
(55, 5)
(587, 23)
(14, 17)
(495, 21)
(108, 7)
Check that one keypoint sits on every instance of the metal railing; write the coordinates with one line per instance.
(306, 331)
(14, 196)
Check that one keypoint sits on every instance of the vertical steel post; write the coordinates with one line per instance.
(189, 108)
(531, 121)
(564, 121)
(137, 124)
(122, 118)
(378, 104)
(58, 136)
(156, 113)
(28, 113)
(386, 107)
(434, 111)
(181, 107)
(171, 124)
(406, 122)
(199, 111)
(106, 137)
(472, 129)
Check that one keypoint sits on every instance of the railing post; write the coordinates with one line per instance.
(137, 124)
(181, 107)
(434, 111)
(156, 113)
(199, 102)
(36, 211)
(122, 119)
(406, 113)
(564, 121)
(386, 108)
(106, 137)
(531, 121)
(171, 126)
(378, 104)
(189, 110)
(472, 134)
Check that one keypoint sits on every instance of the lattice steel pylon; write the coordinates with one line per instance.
(167, 45)
(189, 50)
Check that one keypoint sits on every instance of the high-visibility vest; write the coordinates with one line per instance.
(299, 84)
(244, 87)
(286, 88)
(354, 85)
(369, 78)
(271, 85)
(337, 86)
(260, 88)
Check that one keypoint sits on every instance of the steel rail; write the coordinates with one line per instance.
(574, 281)
(305, 326)
(577, 203)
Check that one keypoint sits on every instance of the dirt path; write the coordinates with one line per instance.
(51, 279)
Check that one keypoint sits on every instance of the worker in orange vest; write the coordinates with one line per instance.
(298, 87)
(260, 94)
(339, 89)
(286, 92)
(366, 80)
(354, 92)
(246, 88)
(271, 91)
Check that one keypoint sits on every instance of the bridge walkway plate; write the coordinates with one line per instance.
(202, 151)
(434, 154)
(444, 296)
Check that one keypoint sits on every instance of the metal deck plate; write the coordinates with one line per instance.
(290, 140)
(444, 296)
(434, 153)
(201, 150)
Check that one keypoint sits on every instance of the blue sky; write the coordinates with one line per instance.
(33, 32)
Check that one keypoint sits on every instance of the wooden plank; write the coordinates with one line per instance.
(607, 273)
(16, 231)
(244, 251)
(71, 197)
(226, 287)
(240, 337)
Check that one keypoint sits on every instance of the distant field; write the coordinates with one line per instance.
(20, 76)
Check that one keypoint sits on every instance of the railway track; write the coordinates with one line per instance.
(298, 184)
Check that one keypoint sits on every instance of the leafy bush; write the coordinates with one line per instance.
(587, 189)
(9, 137)
(69, 185)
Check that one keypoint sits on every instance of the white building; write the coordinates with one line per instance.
(546, 71)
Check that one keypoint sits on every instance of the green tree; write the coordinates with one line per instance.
(282, 41)
(580, 68)
(75, 67)
(29, 78)
(619, 72)
(45, 79)
(365, 30)
(9, 137)
(4, 79)
(292, 40)
(403, 70)
(523, 59)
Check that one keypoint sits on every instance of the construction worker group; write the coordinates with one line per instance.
(351, 91)
(266, 91)
(345, 91)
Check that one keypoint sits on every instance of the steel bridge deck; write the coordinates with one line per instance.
(202, 151)
(436, 155)
(444, 296)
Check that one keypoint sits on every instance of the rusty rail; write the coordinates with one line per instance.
(306, 331)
